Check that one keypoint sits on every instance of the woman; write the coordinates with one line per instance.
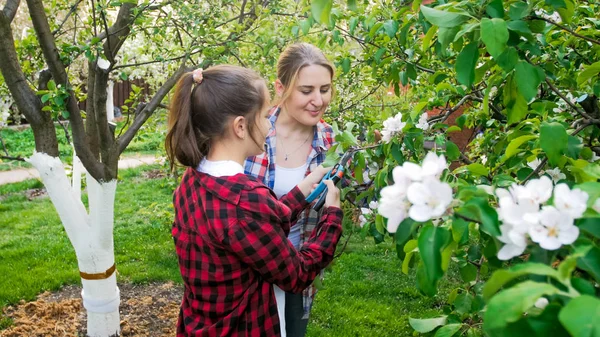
(296, 144)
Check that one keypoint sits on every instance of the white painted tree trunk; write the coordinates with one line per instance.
(92, 237)
(76, 178)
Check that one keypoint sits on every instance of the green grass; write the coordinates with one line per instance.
(36, 255)
(364, 292)
(20, 143)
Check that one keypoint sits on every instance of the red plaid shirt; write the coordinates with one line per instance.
(230, 236)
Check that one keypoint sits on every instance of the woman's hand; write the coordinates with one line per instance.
(308, 184)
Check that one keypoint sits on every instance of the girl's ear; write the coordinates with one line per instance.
(240, 127)
(279, 88)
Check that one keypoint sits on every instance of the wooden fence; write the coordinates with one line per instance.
(121, 91)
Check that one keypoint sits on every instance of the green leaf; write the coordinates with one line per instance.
(503, 276)
(432, 240)
(516, 106)
(447, 35)
(513, 146)
(468, 273)
(465, 64)
(463, 303)
(576, 316)
(591, 263)
(519, 26)
(477, 169)
(479, 210)
(518, 10)
(404, 232)
(566, 13)
(427, 325)
(554, 141)
(508, 59)
(588, 72)
(452, 151)
(321, 9)
(494, 9)
(494, 34)
(51, 85)
(574, 147)
(346, 65)
(305, 25)
(426, 42)
(391, 27)
(509, 305)
(352, 5)
(529, 79)
(443, 18)
(379, 54)
(45, 98)
(448, 330)
(590, 225)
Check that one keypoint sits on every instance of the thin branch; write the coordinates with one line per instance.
(110, 54)
(567, 29)
(571, 104)
(12, 158)
(71, 11)
(464, 159)
(361, 99)
(148, 109)
(10, 9)
(450, 111)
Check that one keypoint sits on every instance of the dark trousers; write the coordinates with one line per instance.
(295, 326)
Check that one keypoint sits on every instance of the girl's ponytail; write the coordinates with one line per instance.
(184, 142)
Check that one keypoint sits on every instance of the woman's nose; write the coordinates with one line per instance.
(318, 100)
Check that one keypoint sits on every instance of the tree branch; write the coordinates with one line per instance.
(450, 111)
(10, 9)
(571, 104)
(566, 29)
(148, 109)
(71, 11)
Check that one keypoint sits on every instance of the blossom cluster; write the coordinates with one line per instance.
(391, 127)
(524, 213)
(417, 192)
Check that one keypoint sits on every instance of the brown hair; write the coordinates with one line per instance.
(199, 113)
(293, 59)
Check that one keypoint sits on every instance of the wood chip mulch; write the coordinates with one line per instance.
(148, 310)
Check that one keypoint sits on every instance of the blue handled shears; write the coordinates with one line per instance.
(335, 174)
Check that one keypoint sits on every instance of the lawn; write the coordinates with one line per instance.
(364, 293)
(20, 142)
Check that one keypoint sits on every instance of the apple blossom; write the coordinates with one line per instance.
(555, 228)
(423, 124)
(393, 206)
(534, 163)
(556, 174)
(572, 202)
(362, 218)
(541, 303)
(391, 126)
(429, 199)
(373, 204)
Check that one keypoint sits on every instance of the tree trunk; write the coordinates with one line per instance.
(92, 237)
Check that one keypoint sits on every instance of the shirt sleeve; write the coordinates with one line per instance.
(264, 247)
(296, 201)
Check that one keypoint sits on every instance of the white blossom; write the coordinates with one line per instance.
(534, 163)
(538, 190)
(393, 206)
(595, 156)
(423, 124)
(483, 159)
(571, 202)
(555, 228)
(429, 199)
(556, 174)
(541, 303)
(514, 241)
(373, 204)
(392, 126)
(487, 188)
(596, 205)
(362, 218)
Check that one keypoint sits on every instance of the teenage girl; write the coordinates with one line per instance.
(230, 230)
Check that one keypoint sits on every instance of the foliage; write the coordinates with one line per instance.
(524, 75)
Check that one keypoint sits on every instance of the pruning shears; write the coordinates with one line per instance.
(335, 174)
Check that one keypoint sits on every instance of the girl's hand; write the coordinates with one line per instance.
(333, 195)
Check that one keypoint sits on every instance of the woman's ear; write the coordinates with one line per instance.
(240, 127)
(279, 88)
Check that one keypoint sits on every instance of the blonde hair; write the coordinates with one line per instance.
(293, 59)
